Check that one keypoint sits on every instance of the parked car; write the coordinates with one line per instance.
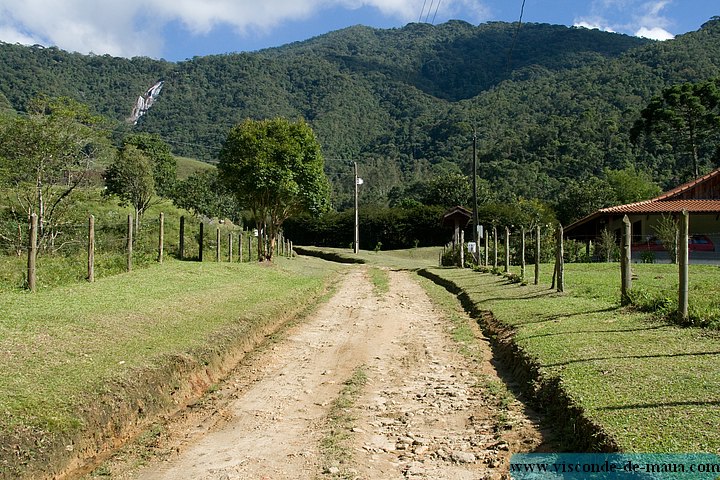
(696, 243)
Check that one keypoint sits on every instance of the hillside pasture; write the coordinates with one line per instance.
(187, 166)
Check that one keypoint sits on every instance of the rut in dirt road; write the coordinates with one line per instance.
(421, 413)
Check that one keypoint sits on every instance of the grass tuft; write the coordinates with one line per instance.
(335, 446)
(380, 280)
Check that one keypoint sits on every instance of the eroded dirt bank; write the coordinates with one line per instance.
(423, 411)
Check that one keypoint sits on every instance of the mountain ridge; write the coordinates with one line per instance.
(548, 102)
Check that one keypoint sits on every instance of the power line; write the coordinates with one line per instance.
(422, 11)
(436, 10)
(515, 37)
(427, 16)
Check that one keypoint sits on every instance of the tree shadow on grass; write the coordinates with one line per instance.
(558, 316)
(634, 406)
(583, 332)
(636, 357)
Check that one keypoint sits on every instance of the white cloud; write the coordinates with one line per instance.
(81, 25)
(8, 34)
(655, 33)
(652, 23)
(134, 27)
(594, 24)
(641, 18)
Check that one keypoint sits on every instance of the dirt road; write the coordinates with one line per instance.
(370, 387)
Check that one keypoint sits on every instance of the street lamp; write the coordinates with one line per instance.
(358, 182)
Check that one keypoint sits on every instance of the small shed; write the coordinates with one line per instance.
(456, 218)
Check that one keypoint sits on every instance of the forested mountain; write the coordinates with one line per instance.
(548, 103)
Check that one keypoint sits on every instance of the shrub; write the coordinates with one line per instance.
(651, 302)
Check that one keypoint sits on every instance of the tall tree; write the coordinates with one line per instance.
(685, 116)
(130, 177)
(631, 185)
(46, 154)
(164, 164)
(202, 193)
(275, 168)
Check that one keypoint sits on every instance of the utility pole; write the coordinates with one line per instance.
(356, 243)
(475, 200)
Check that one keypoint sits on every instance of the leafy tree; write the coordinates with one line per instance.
(130, 177)
(631, 185)
(685, 116)
(581, 198)
(46, 155)
(607, 247)
(164, 164)
(446, 190)
(275, 168)
(204, 194)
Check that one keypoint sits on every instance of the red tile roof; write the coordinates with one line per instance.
(686, 186)
(668, 202)
(667, 206)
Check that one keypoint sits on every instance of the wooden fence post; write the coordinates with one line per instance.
(240, 246)
(537, 254)
(129, 242)
(560, 260)
(91, 249)
(625, 261)
(522, 252)
(32, 254)
(683, 260)
(181, 253)
(462, 248)
(250, 237)
(217, 244)
(495, 247)
(161, 238)
(230, 247)
(487, 248)
(202, 241)
(507, 249)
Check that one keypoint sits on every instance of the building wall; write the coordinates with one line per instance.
(700, 224)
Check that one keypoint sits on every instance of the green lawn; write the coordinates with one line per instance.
(651, 385)
(410, 259)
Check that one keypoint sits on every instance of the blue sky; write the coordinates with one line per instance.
(181, 29)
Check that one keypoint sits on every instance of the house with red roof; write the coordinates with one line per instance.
(700, 197)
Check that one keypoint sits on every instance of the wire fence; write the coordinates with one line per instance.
(504, 248)
(74, 252)
(703, 248)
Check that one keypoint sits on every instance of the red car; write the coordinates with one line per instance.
(696, 243)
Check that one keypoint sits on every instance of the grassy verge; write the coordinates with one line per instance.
(409, 259)
(649, 385)
(335, 446)
(89, 357)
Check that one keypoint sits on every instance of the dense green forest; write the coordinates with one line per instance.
(552, 107)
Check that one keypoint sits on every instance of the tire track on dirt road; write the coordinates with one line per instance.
(422, 413)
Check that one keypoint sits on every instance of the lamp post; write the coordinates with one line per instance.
(475, 201)
(358, 182)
